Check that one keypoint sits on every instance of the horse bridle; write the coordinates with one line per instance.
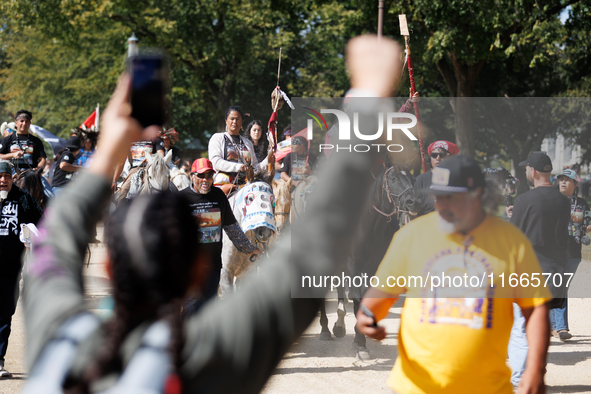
(392, 198)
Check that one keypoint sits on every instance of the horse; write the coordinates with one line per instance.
(392, 201)
(179, 178)
(300, 196)
(252, 206)
(32, 181)
(154, 177)
(281, 191)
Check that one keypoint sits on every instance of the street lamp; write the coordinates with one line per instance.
(132, 49)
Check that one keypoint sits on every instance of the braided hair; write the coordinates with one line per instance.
(151, 243)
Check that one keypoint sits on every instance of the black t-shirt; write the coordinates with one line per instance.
(62, 177)
(18, 208)
(543, 215)
(212, 212)
(159, 145)
(423, 186)
(294, 165)
(580, 218)
(31, 145)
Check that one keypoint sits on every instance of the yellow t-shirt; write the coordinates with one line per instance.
(454, 339)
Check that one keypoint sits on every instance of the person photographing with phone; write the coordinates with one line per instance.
(154, 262)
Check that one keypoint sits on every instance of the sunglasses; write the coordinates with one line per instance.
(205, 175)
(436, 155)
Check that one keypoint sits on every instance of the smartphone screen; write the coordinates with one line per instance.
(148, 75)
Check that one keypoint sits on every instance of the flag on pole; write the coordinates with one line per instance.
(92, 122)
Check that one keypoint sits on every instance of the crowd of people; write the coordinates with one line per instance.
(165, 265)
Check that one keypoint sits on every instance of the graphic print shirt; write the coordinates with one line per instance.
(580, 218)
(295, 166)
(19, 207)
(212, 212)
(29, 144)
(445, 330)
(139, 150)
(236, 151)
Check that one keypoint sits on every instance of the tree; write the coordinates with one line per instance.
(461, 37)
(223, 52)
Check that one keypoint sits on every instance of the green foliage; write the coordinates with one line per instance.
(59, 58)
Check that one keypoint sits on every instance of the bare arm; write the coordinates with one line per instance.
(285, 177)
(12, 155)
(41, 162)
(69, 167)
(537, 330)
(378, 302)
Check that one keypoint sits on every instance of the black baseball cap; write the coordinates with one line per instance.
(73, 143)
(539, 161)
(456, 174)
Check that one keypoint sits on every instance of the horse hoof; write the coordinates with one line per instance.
(339, 331)
(325, 336)
(362, 354)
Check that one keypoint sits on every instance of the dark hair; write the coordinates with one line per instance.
(24, 111)
(250, 126)
(299, 140)
(151, 243)
(236, 108)
(59, 154)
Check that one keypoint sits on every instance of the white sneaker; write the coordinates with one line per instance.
(4, 374)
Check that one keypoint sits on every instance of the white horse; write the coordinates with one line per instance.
(154, 177)
(180, 179)
(253, 208)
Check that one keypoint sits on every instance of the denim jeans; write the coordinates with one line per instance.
(518, 346)
(559, 316)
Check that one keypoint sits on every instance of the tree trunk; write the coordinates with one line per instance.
(461, 84)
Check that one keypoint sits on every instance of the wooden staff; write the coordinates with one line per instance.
(404, 31)
(270, 166)
(380, 18)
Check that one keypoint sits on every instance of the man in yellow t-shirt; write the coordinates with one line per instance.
(461, 270)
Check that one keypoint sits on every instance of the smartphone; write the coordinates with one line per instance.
(368, 313)
(149, 74)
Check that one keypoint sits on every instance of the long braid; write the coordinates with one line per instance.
(149, 288)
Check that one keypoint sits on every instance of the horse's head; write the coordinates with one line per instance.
(281, 190)
(401, 184)
(395, 188)
(253, 176)
(180, 179)
(157, 170)
(255, 205)
(502, 178)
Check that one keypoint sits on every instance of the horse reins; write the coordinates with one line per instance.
(394, 199)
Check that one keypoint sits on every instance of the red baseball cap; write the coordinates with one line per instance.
(448, 146)
(201, 165)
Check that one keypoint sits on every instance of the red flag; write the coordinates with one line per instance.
(90, 121)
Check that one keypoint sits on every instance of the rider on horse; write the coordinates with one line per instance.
(232, 154)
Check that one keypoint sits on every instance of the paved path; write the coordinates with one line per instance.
(313, 366)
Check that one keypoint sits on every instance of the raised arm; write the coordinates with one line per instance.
(246, 335)
(53, 287)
